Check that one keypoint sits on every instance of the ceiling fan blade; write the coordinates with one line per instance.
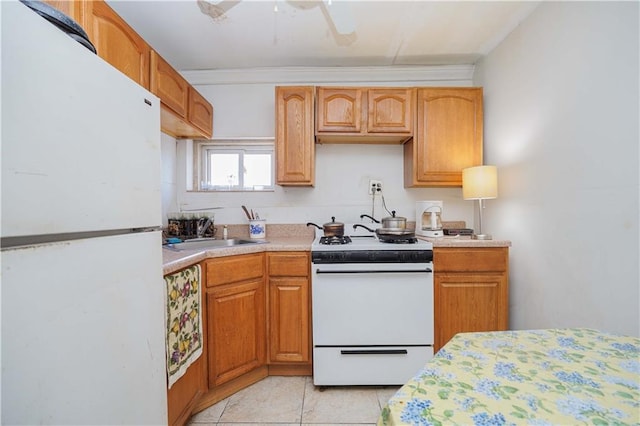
(341, 15)
(226, 4)
(216, 9)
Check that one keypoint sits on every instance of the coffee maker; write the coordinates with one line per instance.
(429, 219)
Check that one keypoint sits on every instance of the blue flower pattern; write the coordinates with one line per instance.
(415, 411)
(536, 377)
(256, 229)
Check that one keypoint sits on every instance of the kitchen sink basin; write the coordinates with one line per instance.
(211, 244)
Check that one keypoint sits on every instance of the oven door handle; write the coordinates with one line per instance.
(376, 271)
(373, 352)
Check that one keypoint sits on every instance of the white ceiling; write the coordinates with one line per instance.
(318, 32)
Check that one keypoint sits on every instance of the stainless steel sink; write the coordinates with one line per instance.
(209, 243)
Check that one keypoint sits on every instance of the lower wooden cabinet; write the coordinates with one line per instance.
(471, 291)
(236, 322)
(289, 313)
(185, 393)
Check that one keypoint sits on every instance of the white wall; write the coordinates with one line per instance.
(244, 106)
(561, 123)
(169, 187)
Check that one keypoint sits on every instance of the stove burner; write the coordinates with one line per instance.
(335, 240)
(400, 240)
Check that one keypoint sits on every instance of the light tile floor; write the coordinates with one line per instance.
(278, 400)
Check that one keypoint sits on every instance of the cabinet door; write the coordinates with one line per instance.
(469, 302)
(448, 137)
(289, 337)
(169, 85)
(390, 110)
(116, 42)
(295, 145)
(200, 112)
(236, 330)
(185, 393)
(339, 109)
(289, 313)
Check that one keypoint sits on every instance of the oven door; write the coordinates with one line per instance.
(372, 304)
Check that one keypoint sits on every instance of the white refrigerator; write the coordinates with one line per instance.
(82, 294)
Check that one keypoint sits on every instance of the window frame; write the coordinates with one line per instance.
(236, 145)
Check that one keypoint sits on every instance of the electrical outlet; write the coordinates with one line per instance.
(375, 187)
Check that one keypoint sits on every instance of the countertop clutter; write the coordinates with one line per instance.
(294, 237)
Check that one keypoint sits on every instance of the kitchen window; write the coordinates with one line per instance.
(235, 165)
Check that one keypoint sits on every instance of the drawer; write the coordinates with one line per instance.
(368, 365)
(459, 259)
(234, 268)
(294, 264)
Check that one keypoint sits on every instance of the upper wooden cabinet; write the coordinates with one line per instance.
(200, 112)
(471, 291)
(448, 137)
(73, 9)
(339, 109)
(185, 112)
(169, 85)
(364, 115)
(390, 110)
(115, 41)
(295, 147)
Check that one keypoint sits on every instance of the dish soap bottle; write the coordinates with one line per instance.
(225, 233)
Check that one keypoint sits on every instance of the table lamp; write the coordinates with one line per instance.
(480, 183)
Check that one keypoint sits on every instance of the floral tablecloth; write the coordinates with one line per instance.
(533, 377)
(183, 321)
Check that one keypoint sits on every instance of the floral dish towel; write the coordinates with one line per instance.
(183, 321)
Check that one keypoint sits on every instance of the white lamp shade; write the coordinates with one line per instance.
(480, 183)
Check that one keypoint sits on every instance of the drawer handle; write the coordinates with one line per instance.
(376, 271)
(374, 352)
